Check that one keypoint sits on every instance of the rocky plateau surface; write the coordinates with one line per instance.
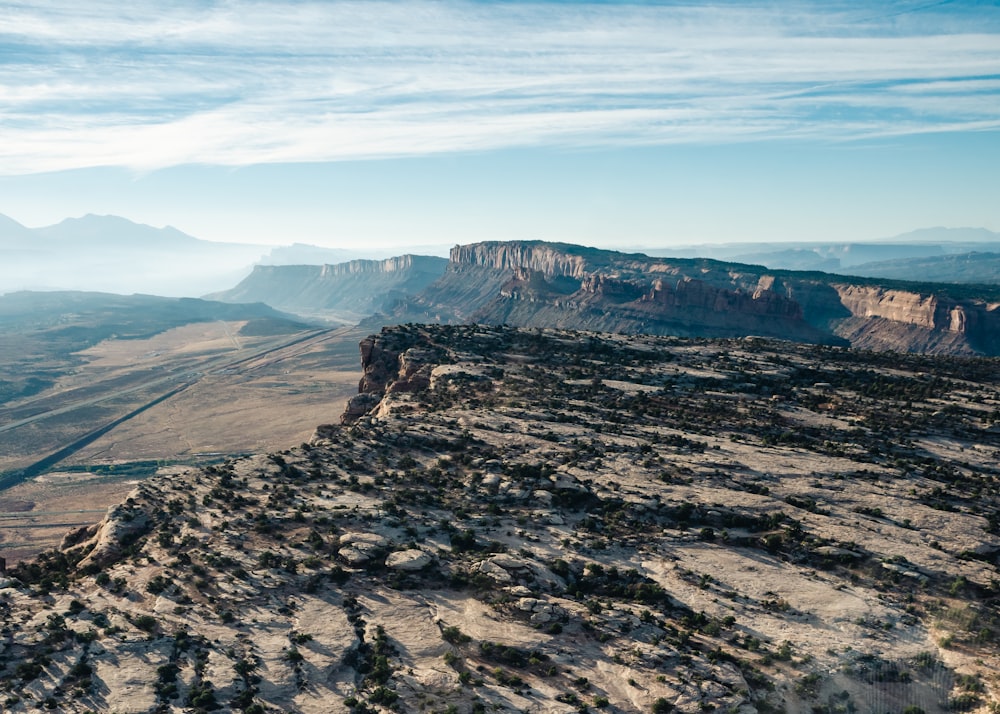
(529, 520)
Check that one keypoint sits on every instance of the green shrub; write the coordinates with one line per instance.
(146, 623)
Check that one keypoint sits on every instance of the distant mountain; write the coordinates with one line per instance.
(538, 284)
(840, 256)
(14, 236)
(961, 268)
(343, 292)
(941, 234)
(112, 254)
(114, 232)
(306, 254)
(831, 257)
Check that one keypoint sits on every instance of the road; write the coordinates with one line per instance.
(176, 381)
(213, 364)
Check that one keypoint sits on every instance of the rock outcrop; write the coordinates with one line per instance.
(391, 364)
(120, 528)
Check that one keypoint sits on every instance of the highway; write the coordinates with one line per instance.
(176, 381)
(189, 375)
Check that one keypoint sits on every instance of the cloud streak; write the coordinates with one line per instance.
(238, 83)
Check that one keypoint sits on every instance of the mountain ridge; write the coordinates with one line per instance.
(115, 255)
(115, 232)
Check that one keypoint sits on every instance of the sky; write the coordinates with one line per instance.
(412, 123)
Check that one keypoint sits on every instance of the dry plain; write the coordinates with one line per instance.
(242, 394)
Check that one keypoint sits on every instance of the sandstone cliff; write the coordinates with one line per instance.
(390, 364)
(346, 291)
(533, 283)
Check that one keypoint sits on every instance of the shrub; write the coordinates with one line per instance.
(454, 635)
(146, 623)
(967, 701)
(383, 695)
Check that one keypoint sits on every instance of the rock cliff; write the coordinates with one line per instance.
(533, 283)
(345, 291)
(390, 364)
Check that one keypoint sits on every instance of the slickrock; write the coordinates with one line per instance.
(411, 559)
(549, 521)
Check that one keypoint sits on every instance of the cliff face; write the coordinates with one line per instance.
(546, 258)
(346, 291)
(390, 364)
(890, 319)
(896, 305)
(584, 288)
(532, 283)
(400, 263)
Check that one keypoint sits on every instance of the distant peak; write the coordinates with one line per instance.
(8, 222)
(113, 229)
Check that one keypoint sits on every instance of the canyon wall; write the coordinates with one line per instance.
(532, 283)
(918, 321)
(346, 291)
(399, 263)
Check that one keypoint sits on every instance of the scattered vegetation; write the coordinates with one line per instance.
(646, 503)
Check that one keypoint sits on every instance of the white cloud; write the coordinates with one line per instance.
(237, 83)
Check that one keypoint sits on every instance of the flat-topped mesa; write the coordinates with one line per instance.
(575, 261)
(418, 263)
(539, 284)
(389, 265)
(547, 258)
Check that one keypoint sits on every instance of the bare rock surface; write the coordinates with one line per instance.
(548, 521)
(410, 559)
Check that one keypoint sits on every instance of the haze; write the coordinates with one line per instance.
(398, 124)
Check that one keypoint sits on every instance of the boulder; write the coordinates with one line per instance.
(409, 560)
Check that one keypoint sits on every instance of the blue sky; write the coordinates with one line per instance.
(413, 123)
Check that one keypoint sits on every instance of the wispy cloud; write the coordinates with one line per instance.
(236, 83)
